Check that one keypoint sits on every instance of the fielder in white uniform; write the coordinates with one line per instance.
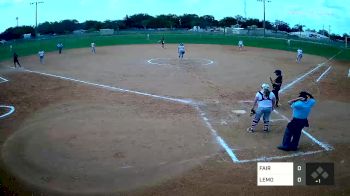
(240, 44)
(93, 49)
(41, 56)
(299, 55)
(181, 50)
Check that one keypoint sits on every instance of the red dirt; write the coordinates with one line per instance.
(70, 138)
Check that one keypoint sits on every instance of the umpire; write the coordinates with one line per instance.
(301, 109)
(276, 84)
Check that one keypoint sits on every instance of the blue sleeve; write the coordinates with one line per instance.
(311, 102)
(297, 104)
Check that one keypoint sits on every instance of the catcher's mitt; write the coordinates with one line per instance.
(252, 112)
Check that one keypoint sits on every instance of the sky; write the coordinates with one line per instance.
(314, 14)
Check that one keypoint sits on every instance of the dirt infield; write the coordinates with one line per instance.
(70, 137)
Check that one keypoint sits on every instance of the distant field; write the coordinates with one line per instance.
(29, 47)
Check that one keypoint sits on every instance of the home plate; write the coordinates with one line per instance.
(239, 111)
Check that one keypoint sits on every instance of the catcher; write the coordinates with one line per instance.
(266, 101)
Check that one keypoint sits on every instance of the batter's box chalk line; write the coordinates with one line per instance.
(166, 61)
(2, 80)
(11, 109)
(203, 115)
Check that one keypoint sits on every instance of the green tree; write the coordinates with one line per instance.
(227, 22)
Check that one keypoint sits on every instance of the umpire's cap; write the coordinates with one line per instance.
(278, 72)
(303, 94)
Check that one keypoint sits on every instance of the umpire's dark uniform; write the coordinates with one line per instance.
(276, 85)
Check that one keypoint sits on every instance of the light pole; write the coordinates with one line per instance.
(36, 13)
(264, 2)
(17, 20)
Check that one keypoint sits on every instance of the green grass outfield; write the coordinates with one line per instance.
(30, 47)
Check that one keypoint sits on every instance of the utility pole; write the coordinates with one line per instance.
(36, 14)
(17, 21)
(264, 3)
(323, 30)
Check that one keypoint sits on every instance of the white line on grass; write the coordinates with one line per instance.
(12, 109)
(323, 74)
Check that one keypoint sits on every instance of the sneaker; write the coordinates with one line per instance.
(266, 130)
(250, 130)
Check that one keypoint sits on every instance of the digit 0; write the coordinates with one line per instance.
(299, 168)
(299, 179)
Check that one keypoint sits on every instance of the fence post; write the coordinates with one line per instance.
(346, 42)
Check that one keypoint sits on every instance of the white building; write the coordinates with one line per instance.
(106, 31)
(309, 35)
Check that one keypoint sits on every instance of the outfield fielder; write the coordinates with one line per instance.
(59, 47)
(240, 44)
(299, 55)
(93, 48)
(181, 50)
(162, 42)
(41, 56)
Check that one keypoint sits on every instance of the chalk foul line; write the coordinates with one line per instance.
(286, 87)
(323, 145)
(323, 74)
(178, 100)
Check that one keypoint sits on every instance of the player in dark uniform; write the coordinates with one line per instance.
(162, 42)
(276, 84)
(15, 60)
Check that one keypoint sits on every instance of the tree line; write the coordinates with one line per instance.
(145, 21)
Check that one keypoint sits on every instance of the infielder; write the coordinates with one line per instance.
(299, 55)
(181, 50)
(266, 101)
(59, 47)
(93, 48)
(240, 44)
(41, 56)
(15, 60)
(162, 42)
